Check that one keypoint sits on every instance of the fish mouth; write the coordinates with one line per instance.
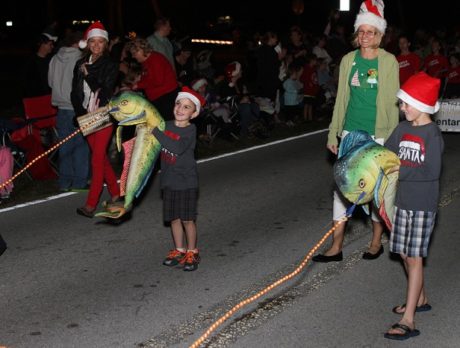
(354, 196)
(132, 118)
(114, 109)
(360, 197)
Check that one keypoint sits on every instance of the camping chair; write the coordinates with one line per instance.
(41, 115)
(223, 120)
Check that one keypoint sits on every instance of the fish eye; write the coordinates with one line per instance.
(361, 183)
(124, 102)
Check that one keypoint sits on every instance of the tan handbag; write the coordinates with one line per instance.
(94, 121)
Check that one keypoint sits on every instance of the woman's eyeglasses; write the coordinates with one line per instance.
(369, 34)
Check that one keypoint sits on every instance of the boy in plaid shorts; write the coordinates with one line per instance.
(419, 145)
(179, 179)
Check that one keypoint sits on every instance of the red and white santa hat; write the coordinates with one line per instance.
(196, 84)
(96, 29)
(371, 13)
(421, 91)
(231, 70)
(194, 96)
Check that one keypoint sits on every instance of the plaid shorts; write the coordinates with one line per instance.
(412, 232)
(180, 204)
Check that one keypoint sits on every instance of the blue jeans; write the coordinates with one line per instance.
(73, 154)
(249, 113)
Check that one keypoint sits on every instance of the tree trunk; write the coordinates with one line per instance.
(156, 8)
(115, 15)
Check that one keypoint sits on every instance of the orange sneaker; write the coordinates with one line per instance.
(174, 258)
(191, 261)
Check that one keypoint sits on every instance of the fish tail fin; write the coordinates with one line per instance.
(386, 209)
(383, 214)
(149, 172)
(366, 209)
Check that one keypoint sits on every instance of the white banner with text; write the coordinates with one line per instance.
(448, 116)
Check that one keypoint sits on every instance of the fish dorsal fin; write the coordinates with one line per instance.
(380, 187)
(353, 139)
(387, 208)
(119, 129)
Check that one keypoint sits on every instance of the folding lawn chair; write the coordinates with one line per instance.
(223, 120)
(42, 116)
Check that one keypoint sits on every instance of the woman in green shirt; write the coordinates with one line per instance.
(366, 100)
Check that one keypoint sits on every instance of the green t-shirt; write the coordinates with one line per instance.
(362, 107)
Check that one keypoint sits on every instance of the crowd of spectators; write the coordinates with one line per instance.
(262, 89)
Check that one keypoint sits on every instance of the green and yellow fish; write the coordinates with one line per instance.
(367, 171)
(141, 152)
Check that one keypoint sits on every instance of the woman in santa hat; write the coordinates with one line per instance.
(94, 81)
(366, 100)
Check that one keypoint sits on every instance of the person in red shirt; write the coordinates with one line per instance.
(453, 77)
(409, 62)
(158, 79)
(311, 88)
(436, 64)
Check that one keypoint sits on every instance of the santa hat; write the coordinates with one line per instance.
(94, 30)
(371, 13)
(232, 70)
(196, 84)
(421, 92)
(195, 97)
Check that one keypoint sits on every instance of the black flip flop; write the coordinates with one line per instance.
(407, 332)
(423, 308)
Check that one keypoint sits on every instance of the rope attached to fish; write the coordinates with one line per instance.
(277, 283)
(84, 128)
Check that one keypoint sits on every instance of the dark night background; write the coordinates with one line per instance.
(195, 18)
(31, 16)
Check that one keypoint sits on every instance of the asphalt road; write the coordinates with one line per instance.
(67, 281)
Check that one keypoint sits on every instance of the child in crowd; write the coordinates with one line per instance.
(453, 77)
(201, 86)
(409, 62)
(311, 88)
(179, 179)
(419, 145)
(436, 64)
(233, 92)
(326, 81)
(293, 93)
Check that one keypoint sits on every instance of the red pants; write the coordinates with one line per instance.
(101, 169)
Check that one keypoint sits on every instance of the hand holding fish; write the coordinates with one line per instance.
(332, 148)
(141, 152)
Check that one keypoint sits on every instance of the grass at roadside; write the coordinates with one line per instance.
(26, 190)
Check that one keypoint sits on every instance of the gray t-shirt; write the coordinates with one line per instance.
(420, 150)
(178, 165)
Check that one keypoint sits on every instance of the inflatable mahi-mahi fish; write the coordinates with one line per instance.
(367, 171)
(141, 152)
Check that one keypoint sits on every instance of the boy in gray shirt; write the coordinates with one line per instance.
(419, 145)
